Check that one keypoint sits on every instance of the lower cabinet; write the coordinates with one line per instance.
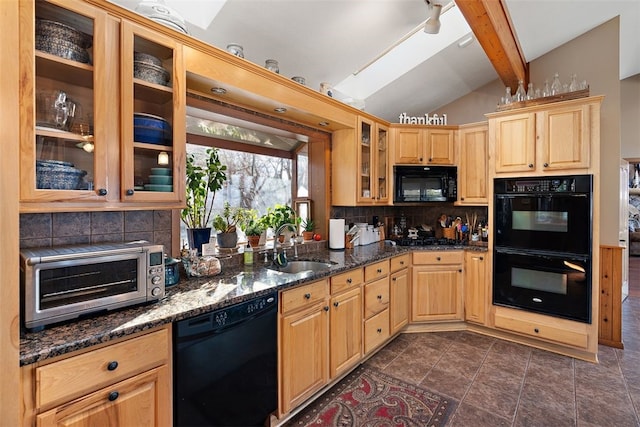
(399, 293)
(376, 305)
(124, 383)
(436, 283)
(345, 337)
(475, 286)
(304, 343)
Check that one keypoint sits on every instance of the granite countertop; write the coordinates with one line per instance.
(194, 296)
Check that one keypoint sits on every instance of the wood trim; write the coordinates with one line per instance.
(10, 385)
(490, 22)
(610, 318)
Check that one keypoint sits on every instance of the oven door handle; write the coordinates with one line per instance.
(541, 254)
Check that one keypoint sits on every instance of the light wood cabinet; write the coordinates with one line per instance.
(360, 171)
(114, 385)
(399, 293)
(423, 145)
(303, 343)
(100, 141)
(475, 286)
(376, 305)
(436, 282)
(472, 164)
(345, 335)
(547, 138)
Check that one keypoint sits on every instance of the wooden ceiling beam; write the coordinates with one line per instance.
(491, 25)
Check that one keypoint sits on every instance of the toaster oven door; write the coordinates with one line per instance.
(67, 289)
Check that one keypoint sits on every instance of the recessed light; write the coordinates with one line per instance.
(218, 90)
(324, 123)
(280, 110)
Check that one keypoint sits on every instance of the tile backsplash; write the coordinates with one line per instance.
(66, 228)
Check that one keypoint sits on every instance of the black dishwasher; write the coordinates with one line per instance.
(225, 365)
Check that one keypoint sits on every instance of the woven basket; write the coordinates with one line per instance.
(449, 233)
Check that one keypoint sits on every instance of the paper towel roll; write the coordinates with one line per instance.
(336, 234)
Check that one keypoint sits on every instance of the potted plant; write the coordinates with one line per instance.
(203, 181)
(226, 223)
(280, 215)
(307, 229)
(253, 227)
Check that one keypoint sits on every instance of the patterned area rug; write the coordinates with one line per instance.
(368, 397)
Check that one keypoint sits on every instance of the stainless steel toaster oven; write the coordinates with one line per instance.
(66, 282)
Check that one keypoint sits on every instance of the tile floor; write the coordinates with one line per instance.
(499, 383)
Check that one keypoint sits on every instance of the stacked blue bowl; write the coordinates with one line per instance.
(151, 129)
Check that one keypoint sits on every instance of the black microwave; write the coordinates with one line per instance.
(418, 184)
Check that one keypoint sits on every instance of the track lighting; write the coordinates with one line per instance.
(432, 26)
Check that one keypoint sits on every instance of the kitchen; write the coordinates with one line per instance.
(10, 179)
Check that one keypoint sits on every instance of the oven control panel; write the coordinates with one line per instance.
(557, 184)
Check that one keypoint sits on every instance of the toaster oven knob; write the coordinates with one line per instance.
(156, 291)
(156, 280)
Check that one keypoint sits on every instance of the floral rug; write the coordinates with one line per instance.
(368, 397)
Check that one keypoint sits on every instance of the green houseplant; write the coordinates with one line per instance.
(226, 223)
(279, 215)
(254, 227)
(307, 229)
(202, 183)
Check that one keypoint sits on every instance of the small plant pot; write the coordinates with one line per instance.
(254, 241)
(227, 240)
(197, 236)
(307, 235)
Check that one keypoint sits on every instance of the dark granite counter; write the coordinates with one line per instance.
(196, 296)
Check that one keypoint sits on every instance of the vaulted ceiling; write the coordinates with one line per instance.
(341, 42)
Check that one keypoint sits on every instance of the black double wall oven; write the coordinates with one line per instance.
(542, 245)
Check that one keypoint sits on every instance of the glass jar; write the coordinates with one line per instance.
(530, 92)
(299, 79)
(520, 95)
(546, 91)
(556, 86)
(236, 49)
(573, 86)
(272, 64)
(507, 95)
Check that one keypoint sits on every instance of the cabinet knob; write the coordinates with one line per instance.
(380, 297)
(326, 308)
(438, 259)
(349, 280)
(546, 165)
(536, 330)
(420, 158)
(430, 159)
(461, 198)
(307, 296)
(401, 262)
(112, 366)
(113, 396)
(335, 304)
(379, 330)
(394, 279)
(530, 165)
(129, 192)
(460, 271)
(379, 270)
(481, 258)
(102, 192)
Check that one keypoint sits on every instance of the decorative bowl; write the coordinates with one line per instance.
(151, 129)
(145, 58)
(162, 171)
(160, 179)
(62, 48)
(57, 175)
(150, 73)
(61, 32)
(156, 187)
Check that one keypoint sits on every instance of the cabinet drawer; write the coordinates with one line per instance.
(377, 270)
(304, 295)
(400, 262)
(84, 373)
(376, 330)
(543, 331)
(437, 257)
(344, 281)
(376, 297)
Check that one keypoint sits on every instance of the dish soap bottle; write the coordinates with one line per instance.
(248, 255)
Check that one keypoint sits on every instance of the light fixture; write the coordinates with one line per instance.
(163, 158)
(432, 26)
(280, 110)
(324, 124)
(218, 90)
(466, 41)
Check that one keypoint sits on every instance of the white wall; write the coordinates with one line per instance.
(630, 117)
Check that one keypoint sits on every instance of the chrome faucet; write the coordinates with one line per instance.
(277, 234)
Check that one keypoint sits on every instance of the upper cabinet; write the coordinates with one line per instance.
(360, 164)
(78, 142)
(472, 164)
(423, 145)
(545, 138)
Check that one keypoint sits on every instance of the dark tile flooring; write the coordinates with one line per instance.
(499, 383)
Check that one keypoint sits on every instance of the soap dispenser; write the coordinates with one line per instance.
(248, 255)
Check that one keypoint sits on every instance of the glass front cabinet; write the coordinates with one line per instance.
(373, 162)
(79, 143)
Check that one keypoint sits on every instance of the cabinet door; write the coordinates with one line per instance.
(61, 98)
(475, 287)
(399, 300)
(437, 294)
(565, 137)
(143, 400)
(515, 143)
(440, 146)
(147, 152)
(382, 164)
(304, 354)
(472, 170)
(366, 160)
(345, 337)
(408, 146)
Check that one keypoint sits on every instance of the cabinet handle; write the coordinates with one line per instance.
(326, 308)
(307, 296)
(112, 366)
(379, 330)
(379, 270)
(530, 165)
(349, 280)
(102, 192)
(546, 165)
(113, 396)
(129, 192)
(380, 297)
(335, 304)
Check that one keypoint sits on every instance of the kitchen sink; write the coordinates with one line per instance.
(294, 267)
